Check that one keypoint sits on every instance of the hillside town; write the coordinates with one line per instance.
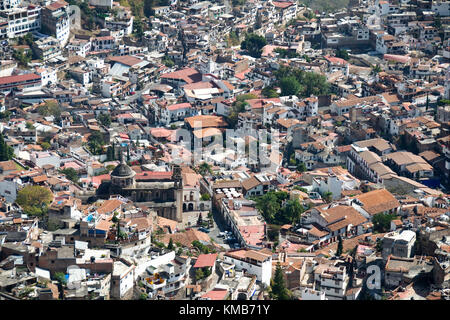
(224, 150)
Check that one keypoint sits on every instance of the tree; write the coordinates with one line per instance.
(71, 174)
(96, 142)
(6, 151)
(301, 167)
(382, 222)
(284, 53)
(110, 153)
(376, 69)
(168, 62)
(278, 289)
(50, 108)
(289, 86)
(270, 92)
(253, 44)
(22, 57)
(293, 211)
(34, 200)
(200, 219)
(205, 197)
(204, 168)
(327, 196)
(237, 107)
(310, 83)
(105, 119)
(273, 234)
(199, 274)
(343, 54)
(61, 278)
(170, 245)
(339, 247)
(138, 28)
(148, 7)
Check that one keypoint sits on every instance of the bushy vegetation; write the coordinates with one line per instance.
(6, 151)
(34, 200)
(253, 44)
(294, 81)
(275, 207)
(382, 222)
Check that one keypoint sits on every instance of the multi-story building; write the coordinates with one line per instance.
(29, 80)
(123, 22)
(331, 280)
(22, 20)
(9, 4)
(56, 22)
(398, 244)
(46, 48)
(254, 262)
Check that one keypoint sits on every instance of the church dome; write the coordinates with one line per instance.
(122, 170)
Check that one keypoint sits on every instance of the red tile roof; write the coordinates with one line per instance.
(188, 75)
(20, 78)
(206, 260)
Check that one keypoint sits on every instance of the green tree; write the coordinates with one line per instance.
(204, 169)
(284, 53)
(310, 83)
(22, 57)
(50, 108)
(199, 274)
(253, 44)
(270, 92)
(34, 199)
(205, 197)
(61, 278)
(301, 167)
(168, 62)
(110, 153)
(105, 119)
(170, 245)
(96, 142)
(237, 107)
(138, 28)
(327, 196)
(339, 247)
(376, 69)
(289, 86)
(148, 7)
(382, 222)
(200, 219)
(6, 151)
(342, 53)
(71, 174)
(292, 211)
(278, 289)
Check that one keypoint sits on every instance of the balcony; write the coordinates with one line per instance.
(155, 282)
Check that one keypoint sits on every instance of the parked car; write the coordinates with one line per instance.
(202, 229)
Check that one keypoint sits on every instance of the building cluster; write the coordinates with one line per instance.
(153, 157)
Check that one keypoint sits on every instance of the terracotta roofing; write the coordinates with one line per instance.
(57, 5)
(186, 238)
(205, 121)
(216, 294)
(188, 75)
(9, 165)
(206, 260)
(126, 60)
(109, 206)
(20, 78)
(378, 201)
